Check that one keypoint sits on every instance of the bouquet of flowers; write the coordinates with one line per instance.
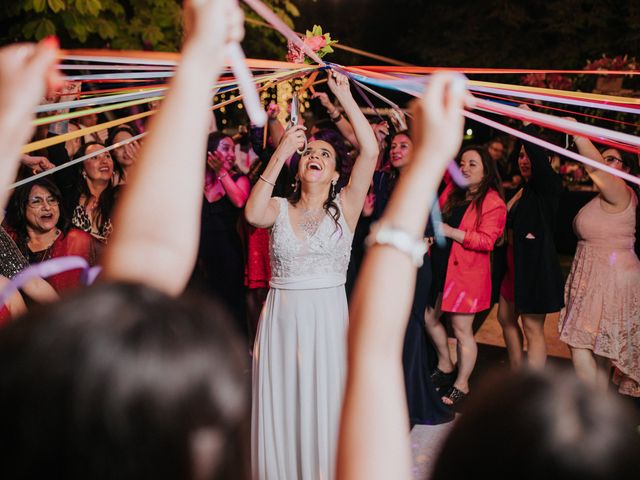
(319, 42)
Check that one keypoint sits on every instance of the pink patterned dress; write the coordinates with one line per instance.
(602, 294)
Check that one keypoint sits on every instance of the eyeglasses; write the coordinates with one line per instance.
(612, 159)
(38, 202)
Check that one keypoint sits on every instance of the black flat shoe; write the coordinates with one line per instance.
(441, 379)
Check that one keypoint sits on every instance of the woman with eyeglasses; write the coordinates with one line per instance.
(601, 319)
(532, 286)
(41, 229)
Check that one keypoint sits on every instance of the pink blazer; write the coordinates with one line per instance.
(467, 287)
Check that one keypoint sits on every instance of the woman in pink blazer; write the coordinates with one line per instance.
(473, 220)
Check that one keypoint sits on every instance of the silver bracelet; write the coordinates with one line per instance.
(223, 175)
(267, 181)
(414, 247)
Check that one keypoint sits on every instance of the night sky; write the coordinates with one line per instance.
(479, 33)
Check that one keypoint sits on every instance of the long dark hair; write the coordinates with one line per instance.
(490, 180)
(107, 199)
(394, 173)
(115, 131)
(127, 377)
(339, 147)
(16, 211)
(546, 424)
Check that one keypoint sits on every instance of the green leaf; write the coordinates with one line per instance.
(39, 5)
(29, 29)
(56, 5)
(152, 34)
(94, 7)
(44, 29)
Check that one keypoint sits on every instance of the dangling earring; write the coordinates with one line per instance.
(296, 185)
(333, 189)
(84, 174)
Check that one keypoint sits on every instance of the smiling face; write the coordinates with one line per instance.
(472, 168)
(120, 153)
(42, 211)
(524, 164)
(400, 151)
(226, 151)
(318, 163)
(100, 167)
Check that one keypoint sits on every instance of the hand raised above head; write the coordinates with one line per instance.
(27, 73)
(438, 119)
(212, 24)
(293, 140)
(339, 84)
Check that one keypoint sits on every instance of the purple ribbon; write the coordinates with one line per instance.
(48, 269)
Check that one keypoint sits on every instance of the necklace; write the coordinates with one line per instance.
(310, 221)
(41, 256)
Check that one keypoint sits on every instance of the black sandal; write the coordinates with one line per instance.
(456, 396)
(441, 379)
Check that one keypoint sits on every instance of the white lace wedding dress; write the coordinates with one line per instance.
(299, 361)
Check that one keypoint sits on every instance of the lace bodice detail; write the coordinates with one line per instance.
(325, 253)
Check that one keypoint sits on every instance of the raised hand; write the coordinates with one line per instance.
(339, 85)
(293, 140)
(212, 24)
(439, 122)
(37, 164)
(27, 73)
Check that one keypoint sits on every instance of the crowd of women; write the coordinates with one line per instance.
(135, 379)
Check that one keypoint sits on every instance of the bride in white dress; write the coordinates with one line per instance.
(299, 362)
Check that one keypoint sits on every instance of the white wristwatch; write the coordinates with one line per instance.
(415, 248)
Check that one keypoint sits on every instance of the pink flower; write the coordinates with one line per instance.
(294, 54)
(316, 43)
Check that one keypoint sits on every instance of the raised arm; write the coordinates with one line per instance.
(157, 221)
(262, 210)
(27, 71)
(613, 189)
(354, 194)
(383, 296)
(342, 124)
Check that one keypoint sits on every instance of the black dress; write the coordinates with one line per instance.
(539, 285)
(220, 267)
(419, 357)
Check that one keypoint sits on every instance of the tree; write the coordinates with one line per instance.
(123, 24)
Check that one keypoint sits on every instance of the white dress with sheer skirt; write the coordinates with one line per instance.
(299, 362)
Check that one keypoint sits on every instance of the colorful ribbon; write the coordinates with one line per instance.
(47, 269)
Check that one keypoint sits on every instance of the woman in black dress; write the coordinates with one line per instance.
(419, 358)
(533, 285)
(220, 266)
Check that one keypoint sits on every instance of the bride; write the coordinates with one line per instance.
(300, 351)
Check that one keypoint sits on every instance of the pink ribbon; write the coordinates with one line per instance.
(555, 148)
